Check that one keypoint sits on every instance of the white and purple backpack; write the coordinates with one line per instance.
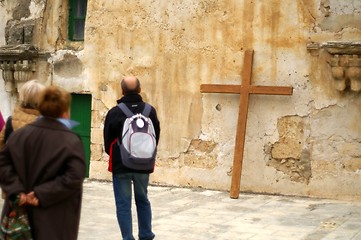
(138, 146)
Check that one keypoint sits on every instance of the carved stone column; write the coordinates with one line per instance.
(354, 72)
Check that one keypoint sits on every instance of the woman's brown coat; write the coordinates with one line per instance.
(47, 158)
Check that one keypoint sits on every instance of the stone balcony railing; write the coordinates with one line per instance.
(18, 63)
(345, 63)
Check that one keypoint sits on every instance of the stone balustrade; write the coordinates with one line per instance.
(18, 63)
(345, 63)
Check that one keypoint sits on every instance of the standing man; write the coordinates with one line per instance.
(123, 177)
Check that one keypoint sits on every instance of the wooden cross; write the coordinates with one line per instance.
(244, 90)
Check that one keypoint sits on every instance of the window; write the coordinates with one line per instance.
(77, 12)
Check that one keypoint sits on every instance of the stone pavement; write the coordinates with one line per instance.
(198, 214)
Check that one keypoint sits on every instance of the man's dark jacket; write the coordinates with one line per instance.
(113, 128)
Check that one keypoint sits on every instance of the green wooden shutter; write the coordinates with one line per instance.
(77, 14)
(81, 112)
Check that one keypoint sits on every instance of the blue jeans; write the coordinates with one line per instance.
(122, 185)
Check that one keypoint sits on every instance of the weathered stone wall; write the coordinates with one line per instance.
(305, 144)
(5, 98)
(20, 24)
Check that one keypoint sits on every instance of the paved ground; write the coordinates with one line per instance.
(196, 214)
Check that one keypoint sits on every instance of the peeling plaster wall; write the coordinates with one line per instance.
(306, 144)
(174, 46)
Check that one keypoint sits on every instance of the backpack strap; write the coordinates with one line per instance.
(125, 110)
(147, 109)
(8, 129)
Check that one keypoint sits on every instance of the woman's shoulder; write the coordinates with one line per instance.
(22, 116)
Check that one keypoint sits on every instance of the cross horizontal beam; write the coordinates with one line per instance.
(236, 89)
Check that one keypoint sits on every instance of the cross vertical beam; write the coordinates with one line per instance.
(244, 90)
(242, 125)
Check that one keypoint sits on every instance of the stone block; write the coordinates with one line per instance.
(352, 165)
(99, 170)
(96, 152)
(97, 136)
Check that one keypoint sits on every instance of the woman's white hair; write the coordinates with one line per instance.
(29, 94)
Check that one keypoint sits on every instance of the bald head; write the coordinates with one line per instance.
(130, 84)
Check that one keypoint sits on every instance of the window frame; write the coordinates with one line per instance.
(73, 19)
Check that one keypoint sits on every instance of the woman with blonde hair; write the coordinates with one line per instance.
(43, 165)
(25, 112)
